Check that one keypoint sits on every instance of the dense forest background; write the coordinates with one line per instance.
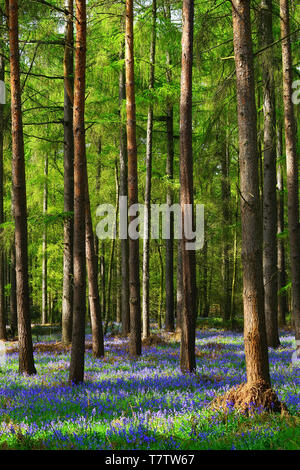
(215, 147)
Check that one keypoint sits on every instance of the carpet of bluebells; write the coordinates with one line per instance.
(146, 403)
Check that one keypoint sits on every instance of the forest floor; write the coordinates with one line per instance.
(146, 403)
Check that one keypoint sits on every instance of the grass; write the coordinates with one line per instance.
(146, 403)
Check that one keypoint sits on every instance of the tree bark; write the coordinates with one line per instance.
(281, 278)
(135, 344)
(67, 302)
(80, 177)
(187, 347)
(3, 335)
(256, 352)
(269, 180)
(92, 272)
(170, 321)
(226, 195)
(13, 292)
(125, 312)
(291, 166)
(26, 360)
(147, 210)
(45, 261)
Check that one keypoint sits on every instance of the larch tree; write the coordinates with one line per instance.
(135, 343)
(188, 315)
(147, 208)
(76, 374)
(170, 321)
(269, 173)
(67, 301)
(125, 311)
(291, 165)
(257, 391)
(26, 360)
(3, 335)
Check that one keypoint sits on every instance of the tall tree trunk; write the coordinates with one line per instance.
(226, 194)
(169, 325)
(26, 361)
(92, 272)
(103, 280)
(45, 261)
(179, 287)
(3, 335)
(147, 210)
(282, 296)
(13, 292)
(291, 166)
(187, 347)
(67, 302)
(269, 193)
(125, 312)
(256, 352)
(135, 344)
(80, 177)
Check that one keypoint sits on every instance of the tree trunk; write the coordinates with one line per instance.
(125, 312)
(256, 352)
(26, 361)
(179, 287)
(187, 349)
(135, 344)
(80, 177)
(169, 325)
(13, 292)
(147, 211)
(44, 267)
(67, 302)
(269, 193)
(92, 272)
(281, 278)
(291, 166)
(226, 194)
(3, 335)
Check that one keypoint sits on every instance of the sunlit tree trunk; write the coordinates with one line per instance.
(187, 349)
(256, 352)
(67, 302)
(3, 335)
(269, 179)
(76, 374)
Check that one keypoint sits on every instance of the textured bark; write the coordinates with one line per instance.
(179, 287)
(269, 192)
(147, 210)
(13, 293)
(169, 325)
(45, 261)
(92, 272)
(291, 165)
(226, 194)
(256, 352)
(125, 312)
(80, 175)
(281, 278)
(187, 347)
(3, 335)
(67, 301)
(26, 361)
(135, 344)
